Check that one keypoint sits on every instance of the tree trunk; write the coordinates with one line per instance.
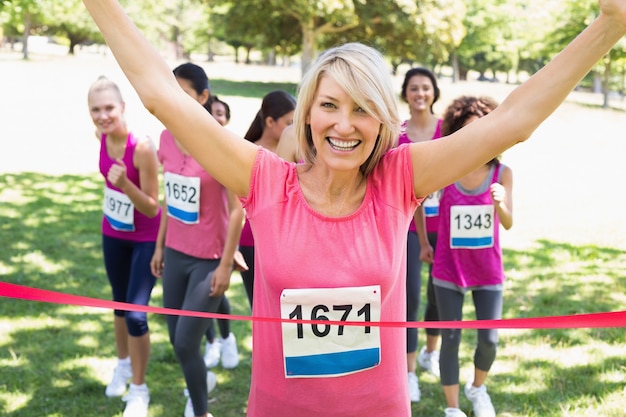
(456, 75)
(73, 42)
(210, 55)
(26, 34)
(308, 45)
(606, 88)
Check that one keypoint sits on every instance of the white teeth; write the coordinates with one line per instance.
(343, 145)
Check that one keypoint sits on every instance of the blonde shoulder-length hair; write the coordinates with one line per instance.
(361, 71)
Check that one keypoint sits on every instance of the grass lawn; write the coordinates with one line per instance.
(565, 255)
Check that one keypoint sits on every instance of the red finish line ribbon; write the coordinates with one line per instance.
(575, 321)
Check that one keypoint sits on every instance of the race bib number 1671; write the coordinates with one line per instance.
(323, 350)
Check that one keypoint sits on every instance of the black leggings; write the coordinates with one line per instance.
(413, 288)
(186, 285)
(248, 276)
(430, 312)
(488, 306)
(127, 264)
(222, 324)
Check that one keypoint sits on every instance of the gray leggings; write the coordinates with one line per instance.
(413, 288)
(186, 285)
(488, 306)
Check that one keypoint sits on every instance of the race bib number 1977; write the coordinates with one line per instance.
(119, 210)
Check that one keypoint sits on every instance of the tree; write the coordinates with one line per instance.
(22, 16)
(392, 27)
(315, 18)
(70, 19)
(577, 14)
(493, 38)
(444, 31)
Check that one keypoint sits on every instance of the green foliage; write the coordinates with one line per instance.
(15, 13)
(71, 20)
(503, 36)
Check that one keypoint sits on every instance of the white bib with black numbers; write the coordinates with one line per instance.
(182, 195)
(320, 350)
(431, 204)
(471, 227)
(119, 210)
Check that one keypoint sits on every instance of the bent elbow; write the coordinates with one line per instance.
(153, 212)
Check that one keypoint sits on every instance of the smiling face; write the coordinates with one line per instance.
(219, 112)
(107, 111)
(343, 134)
(420, 93)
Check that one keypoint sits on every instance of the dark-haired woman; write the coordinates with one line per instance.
(275, 114)
(420, 91)
(195, 248)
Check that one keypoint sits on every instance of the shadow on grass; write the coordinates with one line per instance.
(55, 359)
(250, 89)
(552, 372)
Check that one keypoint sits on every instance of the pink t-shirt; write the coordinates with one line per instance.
(204, 239)
(145, 228)
(298, 249)
(431, 212)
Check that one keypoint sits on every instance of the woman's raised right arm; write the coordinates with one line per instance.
(220, 152)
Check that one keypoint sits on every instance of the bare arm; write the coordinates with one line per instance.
(221, 276)
(426, 251)
(502, 196)
(156, 263)
(220, 152)
(440, 162)
(288, 145)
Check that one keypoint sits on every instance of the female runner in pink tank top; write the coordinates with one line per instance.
(420, 91)
(130, 222)
(469, 258)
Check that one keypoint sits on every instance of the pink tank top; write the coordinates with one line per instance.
(468, 252)
(145, 228)
(431, 211)
(246, 238)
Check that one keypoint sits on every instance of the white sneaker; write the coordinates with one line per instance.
(211, 381)
(481, 402)
(414, 388)
(212, 353)
(230, 354)
(121, 375)
(189, 409)
(137, 401)
(454, 412)
(429, 361)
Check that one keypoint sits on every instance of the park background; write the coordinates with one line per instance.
(565, 254)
